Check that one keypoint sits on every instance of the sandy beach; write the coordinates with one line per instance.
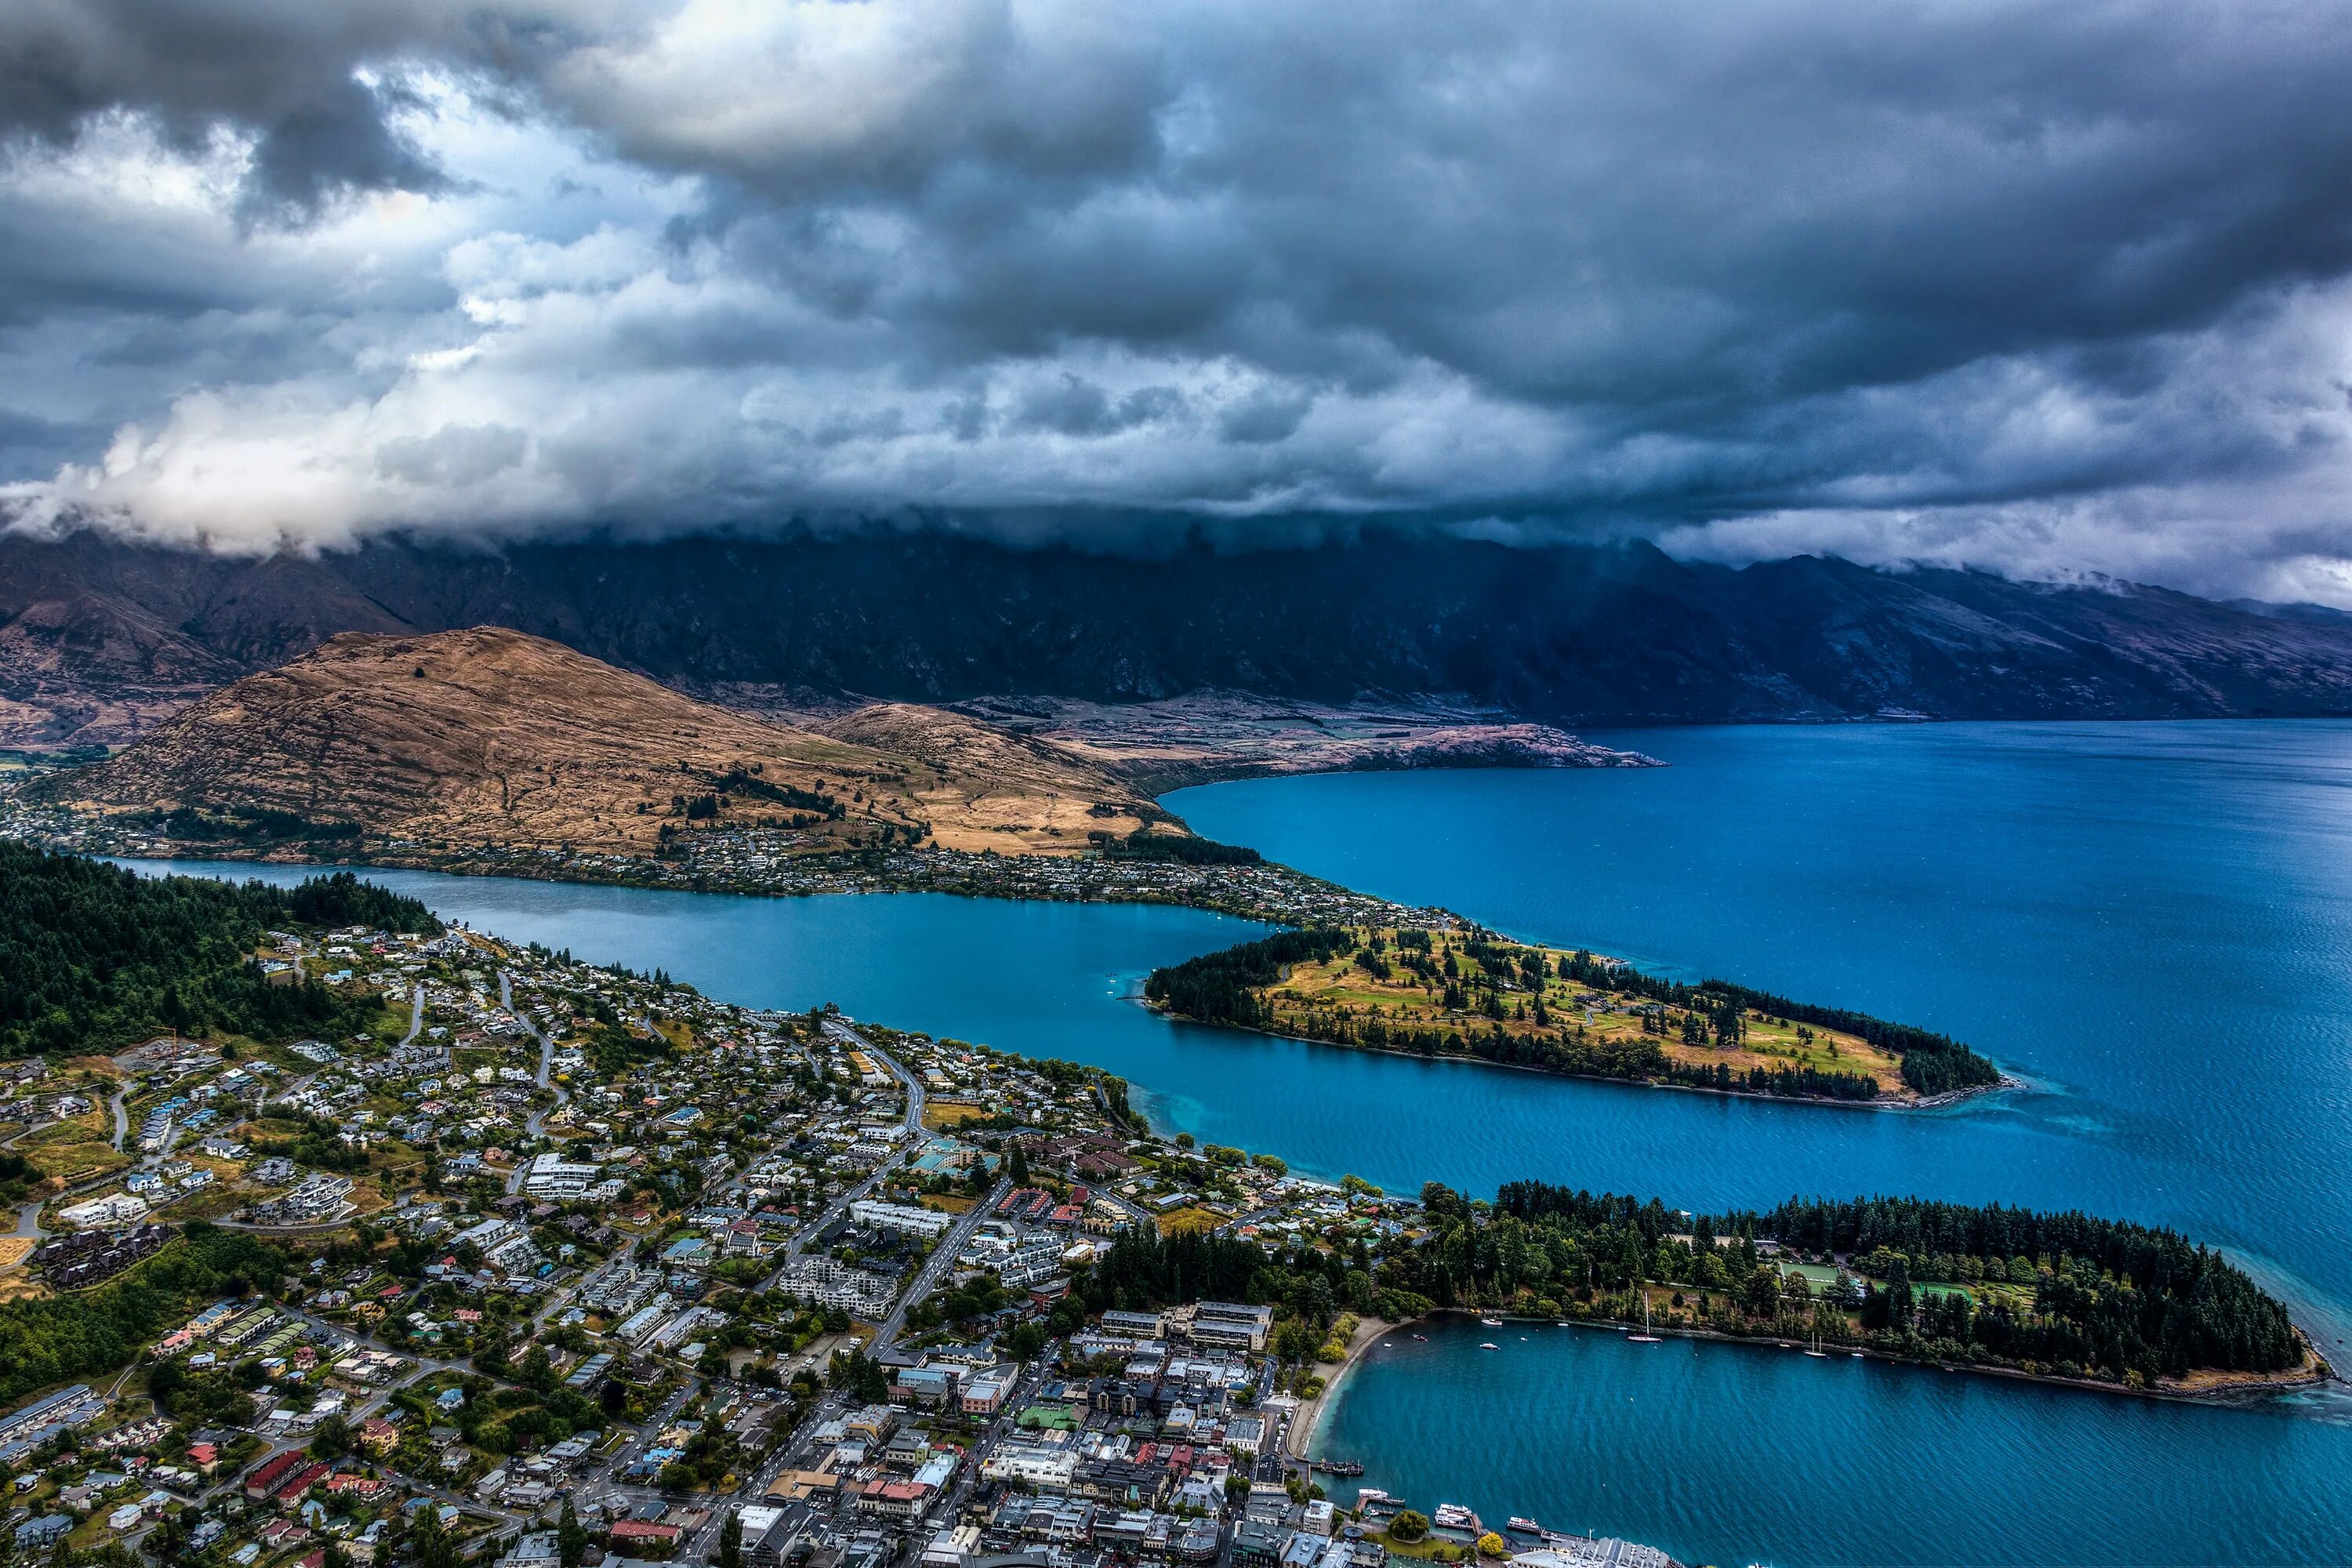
(1310, 1411)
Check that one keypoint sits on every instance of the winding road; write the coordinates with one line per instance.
(545, 1077)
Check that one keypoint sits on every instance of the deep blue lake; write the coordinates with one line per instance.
(2152, 922)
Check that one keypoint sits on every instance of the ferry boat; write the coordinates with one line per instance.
(1524, 1526)
(1453, 1516)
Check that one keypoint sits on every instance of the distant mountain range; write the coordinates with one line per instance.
(98, 640)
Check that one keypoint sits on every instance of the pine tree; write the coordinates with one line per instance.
(571, 1538)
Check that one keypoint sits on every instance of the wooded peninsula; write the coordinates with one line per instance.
(1474, 993)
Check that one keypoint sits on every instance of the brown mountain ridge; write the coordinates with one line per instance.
(493, 737)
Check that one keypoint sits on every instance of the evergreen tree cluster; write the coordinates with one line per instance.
(248, 824)
(2114, 1293)
(1309, 1286)
(1143, 1269)
(93, 957)
(2064, 1293)
(737, 781)
(1169, 848)
(1221, 987)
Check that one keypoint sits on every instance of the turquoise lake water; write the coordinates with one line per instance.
(2151, 922)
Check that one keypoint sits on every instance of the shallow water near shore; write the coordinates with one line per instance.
(2152, 923)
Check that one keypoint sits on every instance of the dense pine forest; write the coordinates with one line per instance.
(1225, 988)
(93, 957)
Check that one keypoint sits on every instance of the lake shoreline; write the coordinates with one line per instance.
(2228, 1391)
(2008, 1081)
(1300, 898)
(1299, 1436)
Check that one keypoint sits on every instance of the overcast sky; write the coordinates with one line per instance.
(2049, 288)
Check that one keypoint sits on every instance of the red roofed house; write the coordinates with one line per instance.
(264, 1482)
(892, 1499)
(640, 1532)
(293, 1492)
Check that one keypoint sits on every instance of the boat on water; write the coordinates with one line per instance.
(1488, 1346)
(1815, 1348)
(1492, 1322)
(1524, 1526)
(1646, 1337)
(1423, 1338)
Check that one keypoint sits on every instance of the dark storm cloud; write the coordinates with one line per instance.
(335, 143)
(2043, 287)
(281, 73)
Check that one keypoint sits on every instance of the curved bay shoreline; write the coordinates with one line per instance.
(2223, 1393)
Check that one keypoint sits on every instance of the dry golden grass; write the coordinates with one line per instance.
(983, 788)
(1403, 999)
(489, 737)
(1190, 1221)
(75, 1150)
(15, 1250)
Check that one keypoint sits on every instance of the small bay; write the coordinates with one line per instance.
(1743, 1453)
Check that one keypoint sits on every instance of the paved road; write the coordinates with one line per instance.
(545, 1078)
(29, 1213)
(936, 1266)
(415, 1014)
(122, 1116)
(842, 1031)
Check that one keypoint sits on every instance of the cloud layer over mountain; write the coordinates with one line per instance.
(2050, 289)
